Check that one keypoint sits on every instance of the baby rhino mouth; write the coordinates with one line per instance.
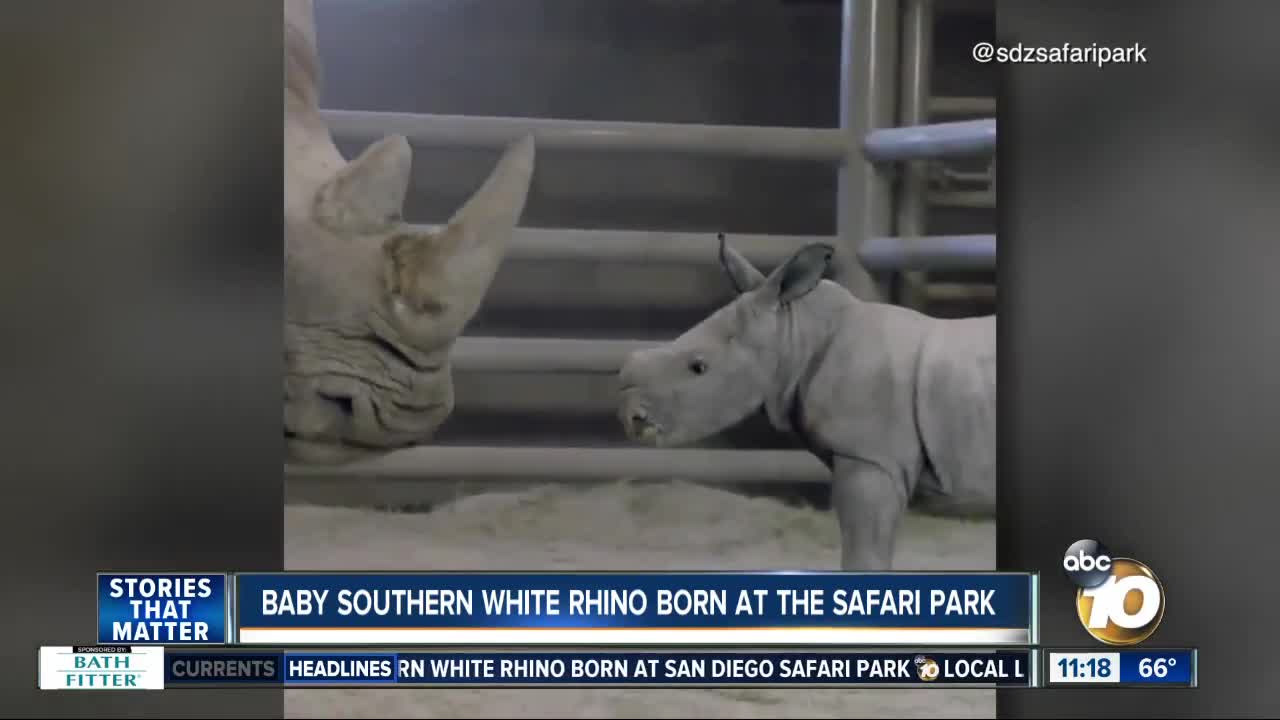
(639, 425)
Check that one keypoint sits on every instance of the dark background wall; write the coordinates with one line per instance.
(750, 62)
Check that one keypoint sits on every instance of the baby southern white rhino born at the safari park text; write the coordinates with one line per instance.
(900, 406)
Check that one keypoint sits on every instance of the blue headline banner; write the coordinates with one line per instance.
(601, 669)
(609, 608)
(163, 609)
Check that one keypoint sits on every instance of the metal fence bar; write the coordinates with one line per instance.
(647, 246)
(917, 34)
(968, 137)
(583, 464)
(868, 57)
(938, 252)
(819, 144)
(543, 355)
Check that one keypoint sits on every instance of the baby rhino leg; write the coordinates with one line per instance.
(869, 502)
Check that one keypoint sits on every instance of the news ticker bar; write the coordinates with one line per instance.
(153, 667)
(572, 609)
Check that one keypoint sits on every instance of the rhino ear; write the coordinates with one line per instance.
(801, 273)
(368, 193)
(742, 273)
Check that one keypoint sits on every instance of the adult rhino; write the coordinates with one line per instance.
(899, 406)
(373, 306)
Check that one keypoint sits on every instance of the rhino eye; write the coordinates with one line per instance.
(698, 366)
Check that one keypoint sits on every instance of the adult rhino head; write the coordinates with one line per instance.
(373, 306)
(729, 365)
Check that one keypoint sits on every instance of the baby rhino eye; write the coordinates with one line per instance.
(698, 366)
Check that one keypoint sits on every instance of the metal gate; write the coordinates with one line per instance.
(881, 140)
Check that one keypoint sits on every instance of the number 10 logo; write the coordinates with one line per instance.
(1120, 601)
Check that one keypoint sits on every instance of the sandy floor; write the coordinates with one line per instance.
(619, 527)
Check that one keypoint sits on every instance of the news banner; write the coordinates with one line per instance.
(611, 629)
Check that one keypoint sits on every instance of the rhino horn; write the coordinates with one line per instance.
(367, 194)
(438, 279)
(494, 210)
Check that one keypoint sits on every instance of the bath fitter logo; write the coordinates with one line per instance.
(101, 667)
(1120, 601)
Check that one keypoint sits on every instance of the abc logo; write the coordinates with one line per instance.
(1120, 601)
(927, 668)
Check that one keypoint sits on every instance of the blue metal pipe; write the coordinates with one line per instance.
(921, 142)
(939, 252)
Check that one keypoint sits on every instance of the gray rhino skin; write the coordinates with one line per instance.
(900, 406)
(373, 307)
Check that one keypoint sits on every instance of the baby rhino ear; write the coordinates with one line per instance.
(742, 273)
(801, 273)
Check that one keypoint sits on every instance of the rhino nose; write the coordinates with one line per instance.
(632, 415)
(630, 375)
(636, 423)
(626, 376)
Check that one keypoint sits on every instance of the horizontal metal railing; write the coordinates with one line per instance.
(820, 144)
(932, 252)
(938, 252)
(559, 464)
(649, 246)
(921, 142)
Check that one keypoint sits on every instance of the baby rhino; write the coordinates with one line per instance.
(900, 406)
